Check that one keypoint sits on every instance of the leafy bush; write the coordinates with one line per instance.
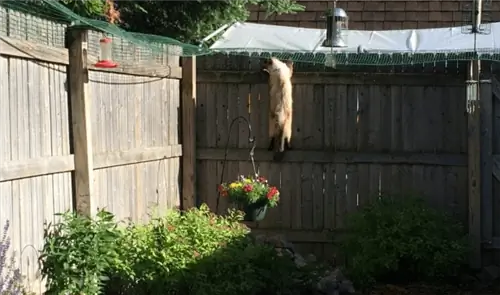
(402, 239)
(77, 252)
(10, 277)
(194, 252)
(198, 253)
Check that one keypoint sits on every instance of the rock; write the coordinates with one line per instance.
(332, 282)
(335, 281)
(299, 260)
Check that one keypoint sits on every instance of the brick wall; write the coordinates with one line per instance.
(378, 15)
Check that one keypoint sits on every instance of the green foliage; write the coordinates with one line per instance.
(88, 8)
(194, 252)
(396, 239)
(77, 252)
(199, 253)
(251, 190)
(187, 21)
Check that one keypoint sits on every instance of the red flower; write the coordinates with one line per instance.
(222, 190)
(261, 179)
(272, 191)
(247, 188)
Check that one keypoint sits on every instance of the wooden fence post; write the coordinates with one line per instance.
(188, 105)
(486, 102)
(81, 122)
(474, 164)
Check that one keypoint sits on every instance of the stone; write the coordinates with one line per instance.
(335, 281)
(332, 282)
(299, 260)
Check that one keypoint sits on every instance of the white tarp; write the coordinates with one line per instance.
(252, 37)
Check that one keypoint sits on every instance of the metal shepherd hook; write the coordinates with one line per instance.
(251, 139)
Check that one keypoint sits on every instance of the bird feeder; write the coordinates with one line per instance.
(336, 27)
(106, 60)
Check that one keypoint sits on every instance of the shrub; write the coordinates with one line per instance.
(396, 239)
(77, 252)
(10, 276)
(199, 253)
(194, 252)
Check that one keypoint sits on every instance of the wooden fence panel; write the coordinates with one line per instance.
(34, 132)
(355, 137)
(135, 123)
(135, 119)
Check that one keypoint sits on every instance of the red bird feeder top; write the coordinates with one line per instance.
(106, 60)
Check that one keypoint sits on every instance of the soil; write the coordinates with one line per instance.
(422, 289)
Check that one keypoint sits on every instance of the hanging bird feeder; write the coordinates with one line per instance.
(336, 27)
(106, 60)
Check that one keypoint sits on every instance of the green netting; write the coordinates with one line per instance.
(364, 59)
(45, 22)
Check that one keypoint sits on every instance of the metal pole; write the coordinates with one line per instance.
(475, 64)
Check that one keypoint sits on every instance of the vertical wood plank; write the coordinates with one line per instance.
(299, 103)
(407, 117)
(188, 107)
(329, 117)
(351, 115)
(385, 119)
(81, 119)
(307, 195)
(341, 118)
(286, 203)
(316, 133)
(375, 118)
(262, 117)
(364, 184)
(329, 199)
(273, 218)
(396, 118)
(318, 196)
(340, 195)
(486, 146)
(296, 196)
(363, 119)
(352, 188)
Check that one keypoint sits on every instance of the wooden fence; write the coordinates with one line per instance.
(355, 136)
(112, 141)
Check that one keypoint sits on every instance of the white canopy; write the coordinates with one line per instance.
(252, 37)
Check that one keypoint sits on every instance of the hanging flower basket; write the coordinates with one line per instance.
(253, 195)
